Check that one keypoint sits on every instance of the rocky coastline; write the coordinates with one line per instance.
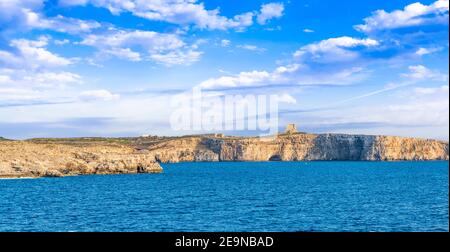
(81, 156)
(34, 159)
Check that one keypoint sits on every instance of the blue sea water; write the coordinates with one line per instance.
(269, 196)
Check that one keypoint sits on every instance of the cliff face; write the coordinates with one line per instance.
(60, 157)
(295, 147)
(27, 159)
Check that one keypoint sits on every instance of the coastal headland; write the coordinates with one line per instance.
(54, 157)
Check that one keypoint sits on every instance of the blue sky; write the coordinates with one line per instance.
(110, 67)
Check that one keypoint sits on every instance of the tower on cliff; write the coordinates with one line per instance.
(290, 128)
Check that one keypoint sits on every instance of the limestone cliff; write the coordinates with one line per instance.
(28, 159)
(60, 157)
(299, 146)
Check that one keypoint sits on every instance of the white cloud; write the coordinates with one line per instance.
(124, 53)
(198, 43)
(32, 54)
(225, 42)
(411, 112)
(430, 91)
(100, 94)
(242, 21)
(412, 15)
(184, 12)
(293, 74)
(242, 79)
(4, 79)
(424, 51)
(334, 49)
(52, 78)
(177, 57)
(26, 14)
(276, 28)
(168, 49)
(424, 106)
(421, 116)
(306, 30)
(270, 11)
(302, 68)
(152, 41)
(61, 42)
(11, 10)
(287, 98)
(62, 24)
(17, 85)
(40, 78)
(72, 2)
(420, 72)
(93, 62)
(30, 71)
(252, 48)
(17, 94)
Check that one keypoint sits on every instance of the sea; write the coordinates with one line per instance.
(237, 196)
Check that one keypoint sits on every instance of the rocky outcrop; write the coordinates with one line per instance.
(184, 149)
(28, 159)
(62, 157)
(299, 146)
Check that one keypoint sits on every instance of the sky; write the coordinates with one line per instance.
(71, 68)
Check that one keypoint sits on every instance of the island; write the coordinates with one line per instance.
(55, 157)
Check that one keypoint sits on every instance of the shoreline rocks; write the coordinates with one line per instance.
(27, 159)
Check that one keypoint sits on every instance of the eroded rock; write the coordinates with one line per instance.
(28, 159)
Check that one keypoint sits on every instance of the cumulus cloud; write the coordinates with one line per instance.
(412, 15)
(11, 10)
(184, 12)
(306, 30)
(32, 54)
(28, 70)
(26, 14)
(293, 74)
(420, 72)
(334, 49)
(270, 11)
(242, 79)
(303, 68)
(416, 30)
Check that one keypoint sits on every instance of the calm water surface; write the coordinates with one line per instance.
(271, 196)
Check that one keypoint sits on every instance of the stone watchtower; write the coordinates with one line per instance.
(290, 128)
